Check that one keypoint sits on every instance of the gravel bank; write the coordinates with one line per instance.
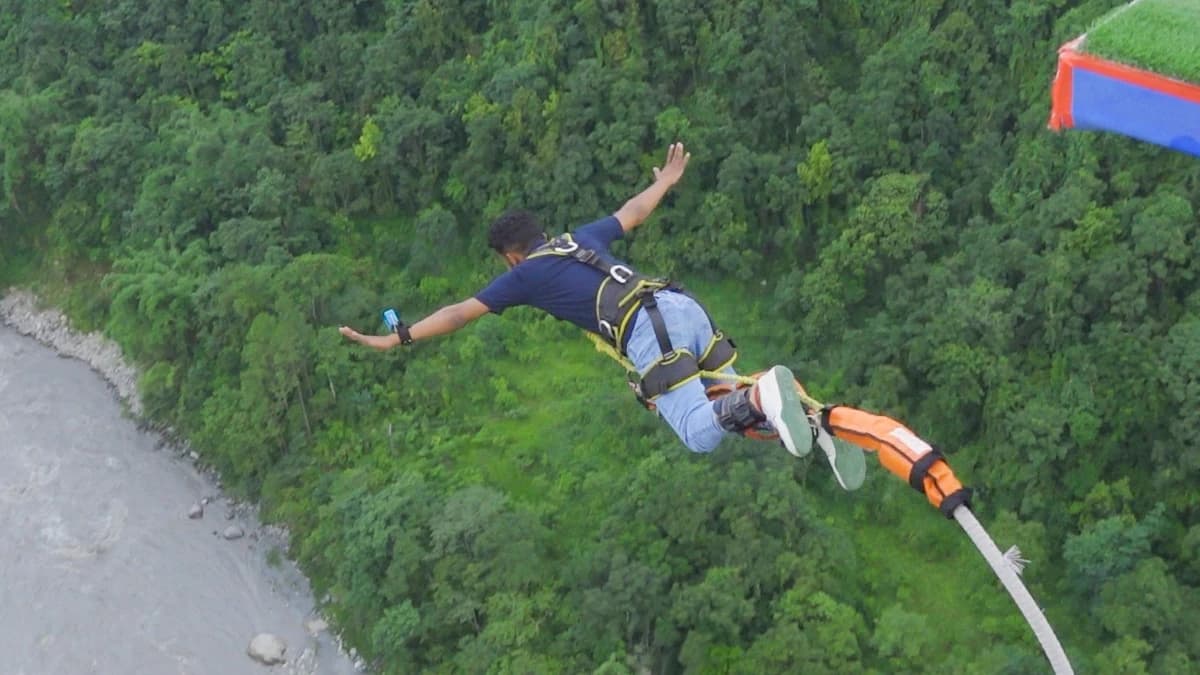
(21, 310)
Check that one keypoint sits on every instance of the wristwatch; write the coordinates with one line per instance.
(405, 336)
(392, 319)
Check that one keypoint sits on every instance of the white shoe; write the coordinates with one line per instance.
(775, 393)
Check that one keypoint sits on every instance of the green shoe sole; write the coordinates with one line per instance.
(792, 412)
(847, 460)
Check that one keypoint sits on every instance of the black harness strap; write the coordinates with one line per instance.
(622, 292)
(616, 305)
(650, 304)
(673, 369)
(721, 353)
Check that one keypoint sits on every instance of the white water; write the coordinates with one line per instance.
(101, 571)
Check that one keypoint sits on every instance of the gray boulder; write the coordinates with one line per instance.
(267, 649)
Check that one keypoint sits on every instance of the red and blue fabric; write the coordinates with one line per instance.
(1096, 94)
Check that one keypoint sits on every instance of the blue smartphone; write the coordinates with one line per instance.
(391, 318)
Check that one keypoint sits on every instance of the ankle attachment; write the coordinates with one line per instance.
(736, 413)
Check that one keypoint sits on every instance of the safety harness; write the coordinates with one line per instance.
(624, 291)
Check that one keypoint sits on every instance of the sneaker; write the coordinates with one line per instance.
(846, 459)
(775, 395)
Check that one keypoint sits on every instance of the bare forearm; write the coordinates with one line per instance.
(641, 205)
(380, 342)
(446, 320)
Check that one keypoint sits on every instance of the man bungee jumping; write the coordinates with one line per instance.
(661, 330)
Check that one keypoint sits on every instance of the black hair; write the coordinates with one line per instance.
(514, 232)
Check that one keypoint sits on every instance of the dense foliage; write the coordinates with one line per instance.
(1157, 35)
(873, 199)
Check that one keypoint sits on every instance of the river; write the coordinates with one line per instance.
(101, 569)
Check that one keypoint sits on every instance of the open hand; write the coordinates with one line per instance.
(677, 161)
(351, 333)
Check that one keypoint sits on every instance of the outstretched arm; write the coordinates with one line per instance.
(637, 209)
(446, 320)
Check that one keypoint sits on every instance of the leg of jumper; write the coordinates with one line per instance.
(686, 409)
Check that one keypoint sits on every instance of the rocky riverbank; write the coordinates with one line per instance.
(20, 310)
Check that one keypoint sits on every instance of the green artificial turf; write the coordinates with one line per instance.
(1160, 36)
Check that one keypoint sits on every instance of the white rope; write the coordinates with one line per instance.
(1007, 566)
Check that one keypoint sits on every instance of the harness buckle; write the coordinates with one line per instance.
(635, 385)
(569, 247)
(607, 330)
(620, 273)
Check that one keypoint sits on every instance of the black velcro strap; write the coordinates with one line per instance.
(673, 368)
(916, 475)
(736, 413)
(954, 500)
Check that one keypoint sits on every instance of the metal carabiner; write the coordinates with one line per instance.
(620, 273)
(607, 330)
(570, 247)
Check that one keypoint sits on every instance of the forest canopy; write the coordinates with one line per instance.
(873, 199)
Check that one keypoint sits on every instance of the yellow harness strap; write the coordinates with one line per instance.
(605, 348)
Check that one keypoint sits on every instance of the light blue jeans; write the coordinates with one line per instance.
(687, 408)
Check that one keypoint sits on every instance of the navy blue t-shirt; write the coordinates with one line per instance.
(559, 285)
